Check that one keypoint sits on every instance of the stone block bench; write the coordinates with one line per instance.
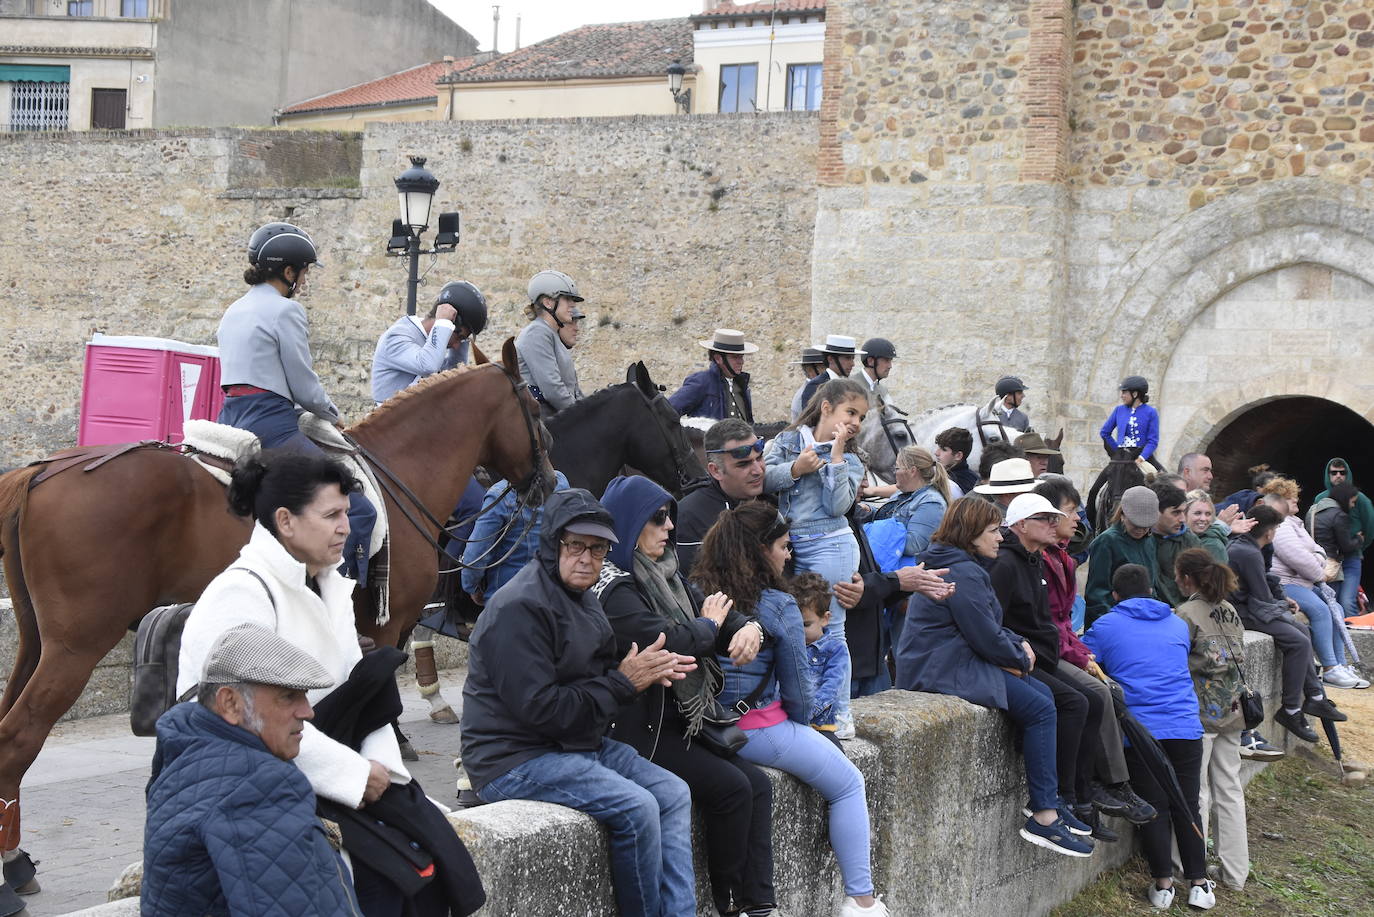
(945, 790)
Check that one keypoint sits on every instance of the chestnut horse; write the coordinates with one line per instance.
(87, 554)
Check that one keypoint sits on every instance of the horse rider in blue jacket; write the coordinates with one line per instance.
(414, 348)
(266, 370)
(720, 390)
(1133, 424)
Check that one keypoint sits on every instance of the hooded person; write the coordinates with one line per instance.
(545, 682)
(644, 593)
(1126, 541)
(1361, 530)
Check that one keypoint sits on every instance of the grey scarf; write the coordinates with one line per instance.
(694, 695)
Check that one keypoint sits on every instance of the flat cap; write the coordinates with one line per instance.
(255, 655)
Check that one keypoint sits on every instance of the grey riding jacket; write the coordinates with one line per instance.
(264, 341)
(547, 365)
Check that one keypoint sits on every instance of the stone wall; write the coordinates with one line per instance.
(945, 788)
(671, 226)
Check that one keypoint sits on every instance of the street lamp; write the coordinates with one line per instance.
(415, 189)
(683, 97)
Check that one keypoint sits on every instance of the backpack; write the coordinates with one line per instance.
(157, 648)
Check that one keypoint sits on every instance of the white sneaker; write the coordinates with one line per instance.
(1359, 682)
(1162, 898)
(1338, 676)
(851, 908)
(1203, 897)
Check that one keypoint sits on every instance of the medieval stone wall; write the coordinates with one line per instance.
(671, 226)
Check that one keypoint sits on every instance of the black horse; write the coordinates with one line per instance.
(630, 424)
(1121, 474)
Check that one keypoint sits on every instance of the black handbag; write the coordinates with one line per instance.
(720, 733)
(1251, 704)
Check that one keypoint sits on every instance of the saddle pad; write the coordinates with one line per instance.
(220, 440)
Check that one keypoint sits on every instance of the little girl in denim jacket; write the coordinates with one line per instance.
(825, 484)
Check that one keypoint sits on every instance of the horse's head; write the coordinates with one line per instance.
(656, 443)
(519, 446)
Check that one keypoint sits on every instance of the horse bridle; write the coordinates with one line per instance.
(679, 460)
(529, 495)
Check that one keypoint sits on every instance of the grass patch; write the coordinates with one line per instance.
(1311, 853)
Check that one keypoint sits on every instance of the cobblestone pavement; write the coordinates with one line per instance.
(83, 797)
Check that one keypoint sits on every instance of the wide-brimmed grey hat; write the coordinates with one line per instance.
(1033, 443)
(252, 654)
(809, 356)
(1009, 476)
(1140, 506)
(728, 340)
(840, 345)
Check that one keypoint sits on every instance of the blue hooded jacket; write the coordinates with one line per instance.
(1144, 647)
(631, 500)
(231, 828)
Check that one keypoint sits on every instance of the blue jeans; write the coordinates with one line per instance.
(1326, 639)
(1348, 589)
(647, 811)
(272, 419)
(836, 558)
(816, 761)
(1031, 706)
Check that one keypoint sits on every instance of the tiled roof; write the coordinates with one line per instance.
(413, 85)
(612, 49)
(728, 8)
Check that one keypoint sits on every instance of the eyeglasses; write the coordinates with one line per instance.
(1046, 518)
(578, 548)
(740, 452)
(660, 518)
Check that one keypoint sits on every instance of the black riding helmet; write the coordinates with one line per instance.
(275, 245)
(468, 301)
(876, 349)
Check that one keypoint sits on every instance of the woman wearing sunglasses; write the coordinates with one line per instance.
(743, 556)
(644, 595)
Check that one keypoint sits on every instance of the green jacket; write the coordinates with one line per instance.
(1108, 551)
(1362, 516)
(1167, 549)
(1214, 540)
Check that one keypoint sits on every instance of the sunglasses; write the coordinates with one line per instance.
(1338, 471)
(740, 452)
(660, 518)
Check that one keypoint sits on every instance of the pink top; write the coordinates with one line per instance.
(770, 715)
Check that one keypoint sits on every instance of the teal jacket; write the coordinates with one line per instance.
(1108, 551)
(1362, 516)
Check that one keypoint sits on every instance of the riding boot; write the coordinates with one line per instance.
(427, 677)
(21, 872)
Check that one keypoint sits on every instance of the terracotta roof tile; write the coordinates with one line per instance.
(612, 49)
(413, 85)
(728, 8)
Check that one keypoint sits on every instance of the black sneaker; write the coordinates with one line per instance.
(1254, 747)
(1295, 723)
(1323, 708)
(1104, 801)
(1089, 815)
(1056, 837)
(1141, 812)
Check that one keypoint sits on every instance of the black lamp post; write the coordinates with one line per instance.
(415, 188)
(683, 97)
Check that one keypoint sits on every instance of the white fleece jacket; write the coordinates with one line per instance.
(322, 625)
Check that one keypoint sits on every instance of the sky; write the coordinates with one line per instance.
(540, 19)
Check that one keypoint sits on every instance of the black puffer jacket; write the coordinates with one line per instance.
(1018, 579)
(542, 661)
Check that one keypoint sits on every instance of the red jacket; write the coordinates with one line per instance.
(1059, 578)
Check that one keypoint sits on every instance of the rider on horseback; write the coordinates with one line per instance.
(1133, 424)
(414, 348)
(877, 366)
(265, 366)
(1004, 410)
(838, 352)
(720, 390)
(544, 358)
(812, 363)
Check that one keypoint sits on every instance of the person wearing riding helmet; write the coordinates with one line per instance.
(414, 348)
(838, 352)
(812, 363)
(1133, 424)
(877, 366)
(545, 362)
(720, 390)
(266, 370)
(1005, 406)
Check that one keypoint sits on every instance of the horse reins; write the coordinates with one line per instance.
(679, 464)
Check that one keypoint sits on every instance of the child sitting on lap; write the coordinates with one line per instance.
(824, 652)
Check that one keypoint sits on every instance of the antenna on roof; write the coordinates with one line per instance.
(495, 26)
(517, 31)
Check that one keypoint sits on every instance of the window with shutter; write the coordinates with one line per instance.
(107, 109)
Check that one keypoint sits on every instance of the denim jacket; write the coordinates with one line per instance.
(920, 511)
(827, 677)
(777, 612)
(817, 502)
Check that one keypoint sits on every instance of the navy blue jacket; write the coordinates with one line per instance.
(231, 829)
(707, 394)
(957, 645)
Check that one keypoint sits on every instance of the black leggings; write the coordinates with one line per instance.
(1173, 822)
(1079, 713)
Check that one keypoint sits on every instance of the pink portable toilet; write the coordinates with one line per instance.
(137, 388)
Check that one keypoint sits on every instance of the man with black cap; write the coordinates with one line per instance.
(414, 348)
(812, 363)
(839, 353)
(544, 685)
(545, 362)
(229, 819)
(877, 366)
(720, 390)
(1004, 410)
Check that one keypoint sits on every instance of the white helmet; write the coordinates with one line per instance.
(553, 283)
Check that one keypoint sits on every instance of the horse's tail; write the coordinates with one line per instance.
(14, 495)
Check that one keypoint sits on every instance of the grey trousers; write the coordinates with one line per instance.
(1111, 763)
(1223, 793)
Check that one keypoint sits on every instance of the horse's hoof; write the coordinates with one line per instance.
(30, 887)
(408, 752)
(21, 872)
(444, 716)
(10, 905)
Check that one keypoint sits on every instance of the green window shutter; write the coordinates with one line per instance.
(34, 73)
